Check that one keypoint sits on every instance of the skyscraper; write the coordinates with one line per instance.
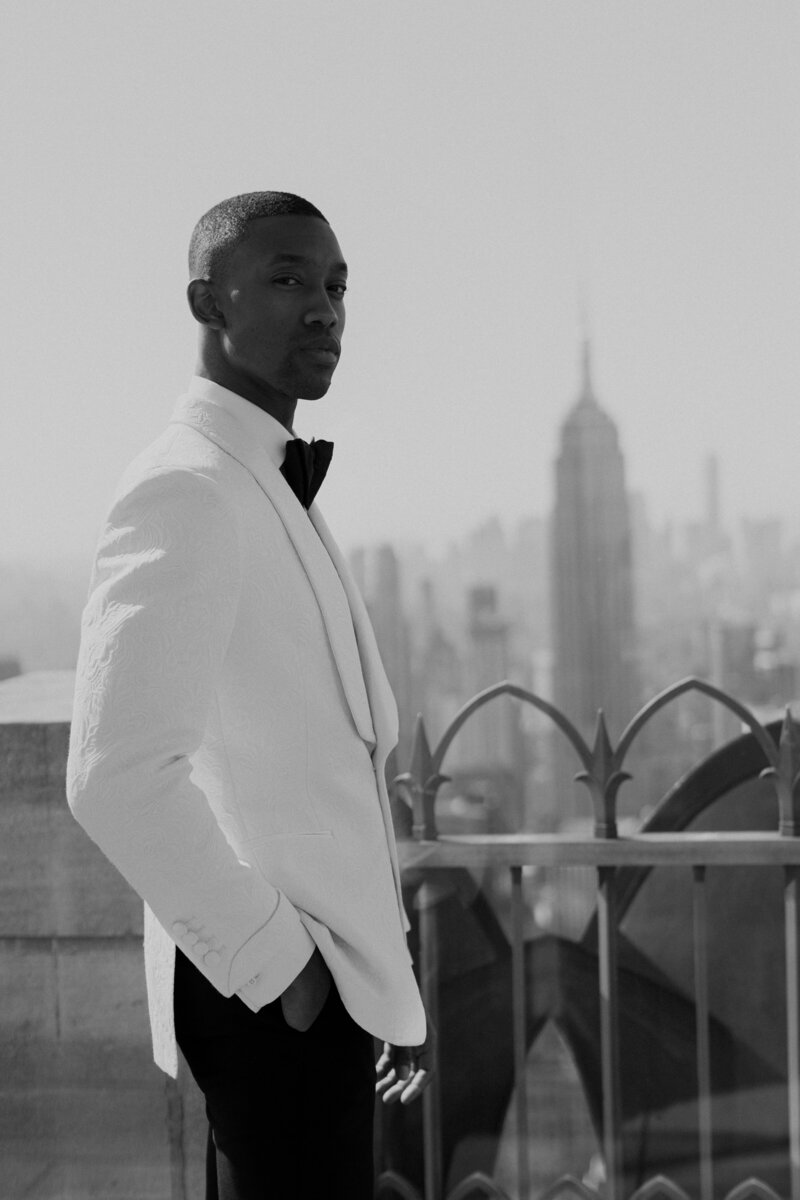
(384, 599)
(593, 618)
(492, 740)
(487, 761)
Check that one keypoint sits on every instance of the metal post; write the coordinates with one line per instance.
(518, 1005)
(700, 929)
(429, 986)
(609, 1028)
(792, 1017)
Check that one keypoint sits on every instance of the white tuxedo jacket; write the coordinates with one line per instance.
(231, 724)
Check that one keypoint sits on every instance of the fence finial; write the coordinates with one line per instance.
(603, 779)
(786, 776)
(421, 784)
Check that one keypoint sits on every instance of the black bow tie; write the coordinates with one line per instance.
(304, 467)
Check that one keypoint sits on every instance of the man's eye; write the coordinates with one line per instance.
(287, 279)
(339, 288)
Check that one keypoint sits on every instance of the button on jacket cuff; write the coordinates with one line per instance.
(272, 958)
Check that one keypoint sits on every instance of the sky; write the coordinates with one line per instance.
(500, 175)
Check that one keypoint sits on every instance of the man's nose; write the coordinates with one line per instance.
(322, 312)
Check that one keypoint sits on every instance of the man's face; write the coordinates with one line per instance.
(282, 296)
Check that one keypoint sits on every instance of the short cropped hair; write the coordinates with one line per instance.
(219, 231)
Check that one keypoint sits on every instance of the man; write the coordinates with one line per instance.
(232, 721)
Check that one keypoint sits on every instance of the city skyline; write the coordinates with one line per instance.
(40, 602)
(489, 171)
(736, 522)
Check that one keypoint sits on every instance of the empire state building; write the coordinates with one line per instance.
(593, 619)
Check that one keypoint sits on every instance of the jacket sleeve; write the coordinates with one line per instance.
(155, 631)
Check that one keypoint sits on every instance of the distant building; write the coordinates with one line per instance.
(593, 613)
(487, 761)
(766, 570)
(438, 690)
(380, 579)
(491, 739)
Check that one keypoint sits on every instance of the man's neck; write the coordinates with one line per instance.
(281, 408)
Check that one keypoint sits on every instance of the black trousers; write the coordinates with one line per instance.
(290, 1114)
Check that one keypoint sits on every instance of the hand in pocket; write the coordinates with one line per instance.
(303, 1000)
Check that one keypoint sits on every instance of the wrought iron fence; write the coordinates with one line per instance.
(609, 855)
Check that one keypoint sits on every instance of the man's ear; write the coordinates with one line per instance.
(203, 302)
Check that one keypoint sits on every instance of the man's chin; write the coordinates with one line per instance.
(314, 389)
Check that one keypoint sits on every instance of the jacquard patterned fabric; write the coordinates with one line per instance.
(231, 724)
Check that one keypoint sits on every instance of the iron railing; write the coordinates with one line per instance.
(602, 772)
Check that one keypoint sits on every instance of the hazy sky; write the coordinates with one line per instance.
(488, 168)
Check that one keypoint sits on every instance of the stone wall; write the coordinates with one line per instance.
(84, 1112)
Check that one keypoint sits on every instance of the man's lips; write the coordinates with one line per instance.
(326, 352)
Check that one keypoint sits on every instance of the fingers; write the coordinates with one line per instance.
(401, 1074)
(392, 1088)
(419, 1081)
(385, 1061)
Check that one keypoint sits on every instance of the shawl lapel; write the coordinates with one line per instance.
(381, 697)
(327, 573)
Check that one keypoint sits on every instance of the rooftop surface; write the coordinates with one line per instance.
(37, 697)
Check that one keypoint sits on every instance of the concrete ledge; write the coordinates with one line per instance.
(37, 698)
(33, 756)
(53, 879)
(84, 1111)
